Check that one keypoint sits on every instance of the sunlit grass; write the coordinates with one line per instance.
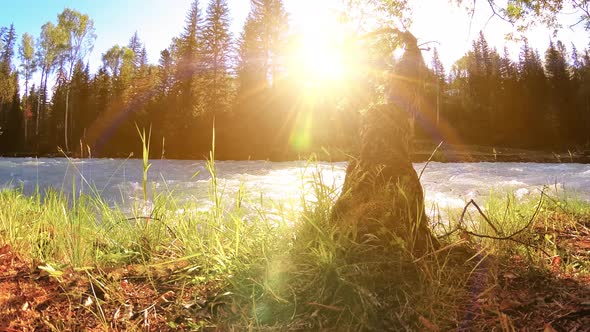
(293, 270)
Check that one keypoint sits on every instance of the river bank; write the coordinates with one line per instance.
(421, 152)
(472, 153)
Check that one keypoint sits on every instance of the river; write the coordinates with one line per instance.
(446, 185)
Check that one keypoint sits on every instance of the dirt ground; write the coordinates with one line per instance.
(129, 299)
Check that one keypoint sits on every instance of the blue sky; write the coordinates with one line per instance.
(115, 21)
(157, 21)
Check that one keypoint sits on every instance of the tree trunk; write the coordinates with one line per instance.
(66, 119)
(26, 117)
(382, 194)
(38, 109)
(69, 86)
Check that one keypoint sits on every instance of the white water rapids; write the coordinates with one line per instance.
(285, 183)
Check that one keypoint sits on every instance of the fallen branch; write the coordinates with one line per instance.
(509, 237)
(472, 202)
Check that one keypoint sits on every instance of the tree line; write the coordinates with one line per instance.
(246, 86)
(537, 101)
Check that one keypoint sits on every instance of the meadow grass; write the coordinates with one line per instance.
(296, 272)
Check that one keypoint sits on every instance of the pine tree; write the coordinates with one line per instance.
(138, 49)
(165, 74)
(508, 101)
(10, 114)
(272, 20)
(561, 113)
(252, 74)
(143, 60)
(486, 54)
(7, 87)
(437, 66)
(507, 66)
(80, 100)
(483, 85)
(262, 44)
(440, 82)
(101, 87)
(14, 118)
(7, 51)
(186, 103)
(190, 46)
(216, 56)
(533, 84)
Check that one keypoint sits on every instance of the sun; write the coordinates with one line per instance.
(322, 58)
(321, 52)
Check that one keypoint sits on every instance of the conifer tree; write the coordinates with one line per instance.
(190, 47)
(216, 56)
(10, 115)
(251, 71)
(80, 101)
(440, 82)
(561, 117)
(7, 86)
(437, 66)
(138, 49)
(533, 83)
(165, 74)
(187, 100)
(263, 43)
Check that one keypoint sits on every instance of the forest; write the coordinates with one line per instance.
(248, 86)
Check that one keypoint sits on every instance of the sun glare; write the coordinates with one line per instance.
(321, 51)
(322, 58)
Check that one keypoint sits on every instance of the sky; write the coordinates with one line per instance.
(455, 30)
(158, 21)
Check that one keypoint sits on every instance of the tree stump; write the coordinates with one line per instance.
(382, 194)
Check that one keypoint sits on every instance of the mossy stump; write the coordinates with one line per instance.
(382, 194)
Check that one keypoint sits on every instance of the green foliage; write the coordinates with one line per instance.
(26, 53)
(525, 14)
(78, 30)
